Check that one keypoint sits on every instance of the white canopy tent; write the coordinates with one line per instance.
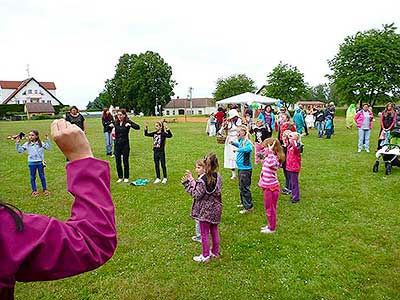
(248, 98)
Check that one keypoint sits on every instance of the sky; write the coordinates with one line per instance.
(77, 43)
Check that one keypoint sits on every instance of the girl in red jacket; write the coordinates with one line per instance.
(293, 164)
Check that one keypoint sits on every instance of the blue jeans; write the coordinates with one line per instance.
(320, 126)
(40, 169)
(107, 137)
(363, 138)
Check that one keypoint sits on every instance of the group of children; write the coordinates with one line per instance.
(206, 190)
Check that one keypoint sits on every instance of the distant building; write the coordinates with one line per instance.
(35, 109)
(199, 106)
(28, 91)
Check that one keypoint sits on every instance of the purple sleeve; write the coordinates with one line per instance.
(197, 190)
(51, 249)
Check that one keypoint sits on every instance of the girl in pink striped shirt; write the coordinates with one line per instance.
(271, 161)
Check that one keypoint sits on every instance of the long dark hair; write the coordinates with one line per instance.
(123, 111)
(212, 165)
(15, 213)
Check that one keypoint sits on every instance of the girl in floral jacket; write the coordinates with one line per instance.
(207, 204)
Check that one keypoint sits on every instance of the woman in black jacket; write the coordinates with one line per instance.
(121, 146)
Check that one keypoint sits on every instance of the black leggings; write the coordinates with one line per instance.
(159, 156)
(124, 151)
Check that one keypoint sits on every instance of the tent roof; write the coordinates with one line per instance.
(247, 98)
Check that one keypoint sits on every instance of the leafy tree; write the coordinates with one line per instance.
(140, 81)
(367, 68)
(320, 92)
(286, 82)
(233, 85)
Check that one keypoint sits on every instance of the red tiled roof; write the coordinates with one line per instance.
(4, 84)
(24, 83)
(39, 108)
(196, 102)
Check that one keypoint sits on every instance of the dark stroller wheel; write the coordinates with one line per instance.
(376, 167)
(388, 169)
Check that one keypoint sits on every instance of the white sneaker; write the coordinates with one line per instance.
(367, 150)
(233, 177)
(158, 180)
(239, 205)
(267, 230)
(164, 180)
(359, 150)
(264, 227)
(201, 258)
(119, 180)
(126, 180)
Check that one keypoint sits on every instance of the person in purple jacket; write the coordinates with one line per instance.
(37, 248)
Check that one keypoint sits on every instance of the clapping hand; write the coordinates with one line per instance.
(271, 147)
(127, 125)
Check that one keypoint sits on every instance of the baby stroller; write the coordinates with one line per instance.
(390, 152)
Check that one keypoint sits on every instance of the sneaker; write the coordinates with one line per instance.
(158, 180)
(202, 259)
(264, 227)
(46, 192)
(245, 211)
(119, 180)
(35, 193)
(233, 177)
(359, 150)
(112, 155)
(126, 180)
(367, 150)
(212, 255)
(286, 191)
(239, 205)
(267, 230)
(164, 181)
(295, 201)
(196, 238)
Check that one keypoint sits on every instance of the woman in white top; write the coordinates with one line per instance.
(231, 125)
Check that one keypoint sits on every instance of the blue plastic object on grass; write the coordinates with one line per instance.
(140, 182)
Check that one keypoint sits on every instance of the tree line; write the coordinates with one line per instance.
(365, 69)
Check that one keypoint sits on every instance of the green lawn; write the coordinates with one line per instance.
(341, 241)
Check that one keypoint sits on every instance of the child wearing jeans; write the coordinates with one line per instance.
(35, 149)
(293, 164)
(207, 204)
(271, 161)
(162, 132)
(243, 162)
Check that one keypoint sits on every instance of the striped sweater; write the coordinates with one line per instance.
(268, 176)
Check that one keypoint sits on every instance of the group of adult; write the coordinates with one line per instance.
(116, 133)
(389, 125)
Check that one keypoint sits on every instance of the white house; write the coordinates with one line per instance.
(196, 106)
(28, 91)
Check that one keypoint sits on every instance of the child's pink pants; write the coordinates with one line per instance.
(270, 202)
(205, 229)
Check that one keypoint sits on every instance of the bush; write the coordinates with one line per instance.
(43, 117)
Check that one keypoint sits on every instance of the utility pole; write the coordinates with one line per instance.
(190, 99)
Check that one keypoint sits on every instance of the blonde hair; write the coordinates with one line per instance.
(246, 137)
(296, 135)
(277, 148)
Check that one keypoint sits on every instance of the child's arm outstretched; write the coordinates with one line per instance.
(146, 130)
(20, 148)
(47, 145)
(168, 133)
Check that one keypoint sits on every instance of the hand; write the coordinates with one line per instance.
(111, 125)
(17, 139)
(230, 142)
(166, 126)
(184, 178)
(271, 147)
(127, 124)
(71, 140)
(46, 136)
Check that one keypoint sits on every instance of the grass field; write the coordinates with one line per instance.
(341, 241)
